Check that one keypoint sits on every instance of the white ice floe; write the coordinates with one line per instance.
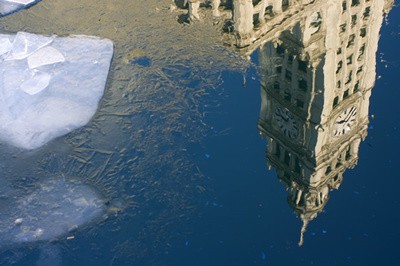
(49, 86)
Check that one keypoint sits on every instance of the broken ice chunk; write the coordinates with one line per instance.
(38, 105)
(26, 43)
(39, 81)
(45, 56)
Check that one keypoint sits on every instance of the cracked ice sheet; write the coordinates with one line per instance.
(54, 208)
(10, 6)
(49, 86)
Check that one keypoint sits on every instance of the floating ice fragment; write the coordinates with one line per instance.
(45, 56)
(18, 221)
(49, 211)
(37, 106)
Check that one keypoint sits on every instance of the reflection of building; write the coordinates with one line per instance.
(318, 63)
(317, 81)
(257, 21)
(255, 18)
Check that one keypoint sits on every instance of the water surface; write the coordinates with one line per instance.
(175, 154)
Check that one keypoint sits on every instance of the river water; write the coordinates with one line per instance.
(175, 156)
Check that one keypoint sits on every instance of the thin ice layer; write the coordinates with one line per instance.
(52, 209)
(43, 97)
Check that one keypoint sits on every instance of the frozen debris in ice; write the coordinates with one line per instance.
(50, 85)
(45, 56)
(38, 233)
(10, 6)
(18, 221)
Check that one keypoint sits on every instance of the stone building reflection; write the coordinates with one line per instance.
(317, 77)
(318, 69)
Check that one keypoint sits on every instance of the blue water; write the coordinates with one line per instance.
(184, 176)
(250, 223)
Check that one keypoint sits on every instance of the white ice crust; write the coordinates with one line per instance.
(23, 2)
(49, 86)
(10, 6)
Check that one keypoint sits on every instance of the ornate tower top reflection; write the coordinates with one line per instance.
(258, 21)
(318, 74)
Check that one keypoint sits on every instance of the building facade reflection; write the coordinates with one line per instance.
(317, 77)
(318, 61)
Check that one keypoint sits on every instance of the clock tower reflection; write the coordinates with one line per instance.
(317, 78)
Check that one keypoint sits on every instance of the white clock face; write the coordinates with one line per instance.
(286, 123)
(345, 121)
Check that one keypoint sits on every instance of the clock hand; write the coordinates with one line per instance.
(351, 113)
(348, 117)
